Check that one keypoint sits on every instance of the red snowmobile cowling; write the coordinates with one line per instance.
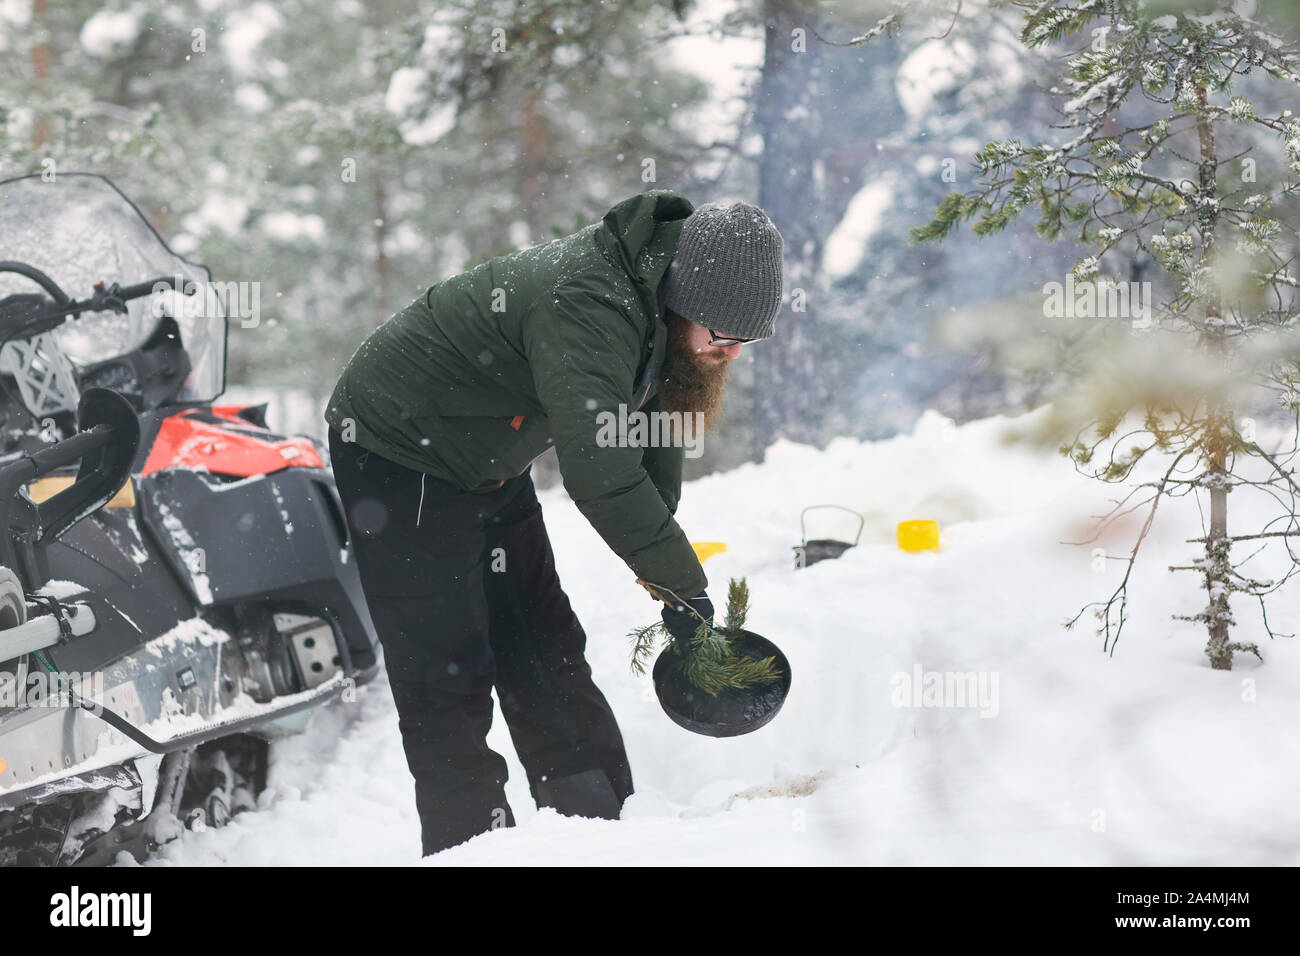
(200, 439)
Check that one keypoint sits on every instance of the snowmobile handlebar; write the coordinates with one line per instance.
(114, 297)
(123, 293)
(33, 314)
(45, 460)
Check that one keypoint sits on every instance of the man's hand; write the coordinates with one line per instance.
(682, 618)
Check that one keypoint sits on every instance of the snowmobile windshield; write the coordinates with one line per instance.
(79, 229)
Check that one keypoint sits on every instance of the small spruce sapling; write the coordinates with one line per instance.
(710, 663)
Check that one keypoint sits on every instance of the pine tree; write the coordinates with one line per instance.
(1156, 123)
(345, 156)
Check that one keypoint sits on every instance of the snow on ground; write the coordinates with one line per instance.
(1069, 756)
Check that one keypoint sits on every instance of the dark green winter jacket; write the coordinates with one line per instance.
(488, 369)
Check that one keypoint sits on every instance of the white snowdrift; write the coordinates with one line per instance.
(1145, 757)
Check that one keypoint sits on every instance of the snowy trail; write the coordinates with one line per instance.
(1147, 757)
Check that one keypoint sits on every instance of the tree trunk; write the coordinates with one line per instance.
(381, 254)
(535, 146)
(1218, 420)
(40, 70)
(788, 392)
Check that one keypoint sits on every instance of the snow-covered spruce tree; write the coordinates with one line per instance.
(1163, 155)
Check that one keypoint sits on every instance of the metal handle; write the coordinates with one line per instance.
(803, 531)
(42, 632)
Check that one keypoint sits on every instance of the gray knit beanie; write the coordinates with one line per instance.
(726, 272)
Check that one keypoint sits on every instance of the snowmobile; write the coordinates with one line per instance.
(177, 587)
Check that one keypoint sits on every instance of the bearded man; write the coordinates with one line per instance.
(434, 426)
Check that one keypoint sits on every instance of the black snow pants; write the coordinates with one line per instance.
(464, 595)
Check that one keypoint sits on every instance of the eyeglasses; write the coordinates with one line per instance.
(725, 341)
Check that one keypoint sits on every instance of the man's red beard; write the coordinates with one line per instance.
(691, 381)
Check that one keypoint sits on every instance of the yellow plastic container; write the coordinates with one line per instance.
(707, 549)
(918, 535)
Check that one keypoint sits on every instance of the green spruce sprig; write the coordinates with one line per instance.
(737, 604)
(711, 664)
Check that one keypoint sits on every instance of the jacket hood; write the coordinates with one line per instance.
(640, 233)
